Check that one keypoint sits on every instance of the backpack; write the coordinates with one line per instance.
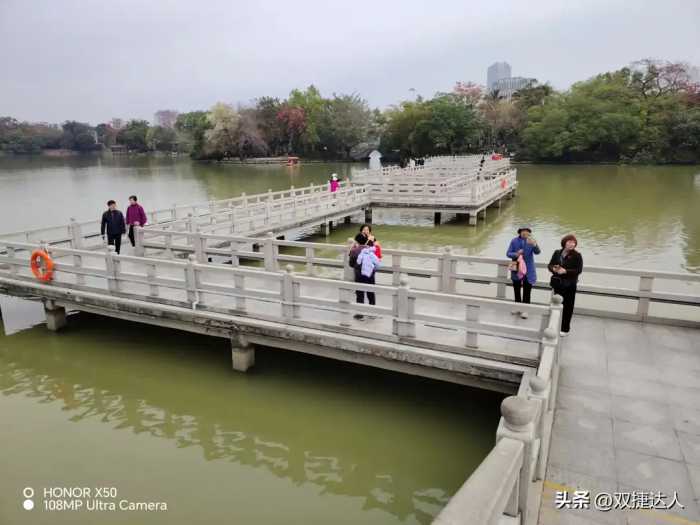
(352, 260)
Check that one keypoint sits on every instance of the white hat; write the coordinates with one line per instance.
(334, 176)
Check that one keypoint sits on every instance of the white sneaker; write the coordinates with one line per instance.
(563, 334)
(523, 315)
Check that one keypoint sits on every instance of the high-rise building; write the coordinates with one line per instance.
(507, 86)
(497, 71)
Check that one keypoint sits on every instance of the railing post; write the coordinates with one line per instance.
(239, 283)
(472, 318)
(502, 273)
(540, 392)
(76, 235)
(395, 269)
(151, 276)
(139, 248)
(447, 268)
(516, 423)
(198, 246)
(191, 281)
(290, 294)
(11, 255)
(111, 265)
(269, 253)
(404, 310)
(646, 283)
(309, 254)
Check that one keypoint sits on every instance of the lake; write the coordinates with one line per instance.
(160, 416)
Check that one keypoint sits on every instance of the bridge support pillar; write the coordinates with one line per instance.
(347, 219)
(472, 219)
(368, 215)
(242, 354)
(438, 218)
(55, 316)
(324, 228)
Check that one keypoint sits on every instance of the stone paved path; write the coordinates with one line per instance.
(627, 418)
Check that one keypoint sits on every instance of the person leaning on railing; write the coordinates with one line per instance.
(566, 265)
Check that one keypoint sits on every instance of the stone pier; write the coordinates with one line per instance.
(55, 316)
(242, 353)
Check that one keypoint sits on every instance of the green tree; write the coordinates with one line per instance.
(78, 136)
(344, 123)
(312, 104)
(221, 139)
(271, 131)
(133, 135)
(160, 138)
(191, 129)
(106, 134)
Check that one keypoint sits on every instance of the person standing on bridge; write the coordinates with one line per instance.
(522, 251)
(365, 269)
(135, 216)
(566, 265)
(333, 183)
(113, 224)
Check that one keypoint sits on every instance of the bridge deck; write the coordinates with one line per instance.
(627, 417)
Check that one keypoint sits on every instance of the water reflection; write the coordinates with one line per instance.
(402, 444)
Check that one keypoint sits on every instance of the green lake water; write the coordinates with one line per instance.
(160, 416)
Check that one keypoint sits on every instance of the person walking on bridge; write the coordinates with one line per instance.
(566, 265)
(113, 225)
(521, 252)
(135, 216)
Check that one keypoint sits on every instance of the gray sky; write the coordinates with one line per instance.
(93, 60)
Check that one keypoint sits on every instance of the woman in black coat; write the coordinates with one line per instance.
(566, 265)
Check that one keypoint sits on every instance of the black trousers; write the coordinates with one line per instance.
(116, 241)
(360, 295)
(527, 288)
(569, 295)
(131, 235)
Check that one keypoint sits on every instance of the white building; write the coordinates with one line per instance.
(495, 72)
(507, 86)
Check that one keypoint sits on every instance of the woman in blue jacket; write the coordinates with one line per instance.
(524, 244)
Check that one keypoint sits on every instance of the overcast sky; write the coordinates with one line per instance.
(93, 60)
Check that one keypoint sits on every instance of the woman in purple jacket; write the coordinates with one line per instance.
(524, 244)
(135, 216)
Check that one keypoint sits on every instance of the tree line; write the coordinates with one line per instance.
(647, 112)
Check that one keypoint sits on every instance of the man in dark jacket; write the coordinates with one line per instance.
(113, 223)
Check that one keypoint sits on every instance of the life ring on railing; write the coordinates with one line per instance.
(44, 273)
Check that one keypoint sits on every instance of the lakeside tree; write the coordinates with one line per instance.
(160, 138)
(267, 110)
(191, 129)
(78, 136)
(25, 137)
(106, 134)
(343, 124)
(133, 135)
(647, 112)
(221, 139)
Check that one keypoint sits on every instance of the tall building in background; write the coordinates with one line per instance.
(496, 72)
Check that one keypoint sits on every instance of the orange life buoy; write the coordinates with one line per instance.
(44, 273)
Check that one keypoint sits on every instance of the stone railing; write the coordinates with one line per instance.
(624, 293)
(442, 321)
(507, 485)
